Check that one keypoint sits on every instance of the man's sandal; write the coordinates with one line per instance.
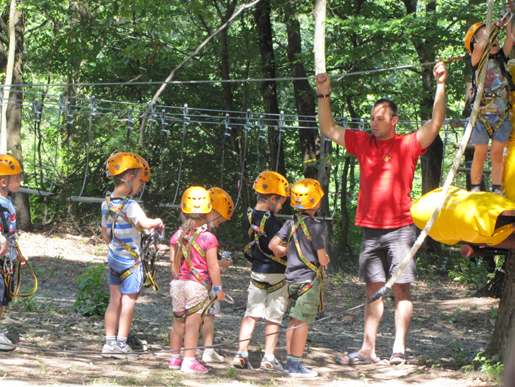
(357, 358)
(397, 358)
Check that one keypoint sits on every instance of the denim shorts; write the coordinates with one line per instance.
(480, 135)
(132, 284)
(382, 252)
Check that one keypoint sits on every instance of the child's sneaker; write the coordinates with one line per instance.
(175, 363)
(136, 344)
(124, 353)
(298, 370)
(271, 365)
(107, 350)
(287, 366)
(241, 362)
(194, 367)
(211, 356)
(5, 343)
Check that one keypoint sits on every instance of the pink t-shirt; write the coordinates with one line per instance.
(386, 176)
(206, 241)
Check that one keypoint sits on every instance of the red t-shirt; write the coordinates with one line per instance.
(386, 176)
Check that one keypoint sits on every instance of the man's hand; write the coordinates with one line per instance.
(323, 83)
(440, 73)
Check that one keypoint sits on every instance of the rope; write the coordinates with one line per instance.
(227, 127)
(61, 107)
(240, 187)
(281, 130)
(91, 114)
(450, 176)
(184, 124)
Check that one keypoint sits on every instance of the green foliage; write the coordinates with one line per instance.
(465, 271)
(492, 370)
(91, 300)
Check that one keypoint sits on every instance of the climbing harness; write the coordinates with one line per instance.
(317, 270)
(149, 255)
(186, 251)
(268, 287)
(258, 232)
(7, 267)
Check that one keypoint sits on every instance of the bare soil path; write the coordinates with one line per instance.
(448, 330)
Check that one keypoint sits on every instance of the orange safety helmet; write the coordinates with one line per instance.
(306, 194)
(196, 200)
(470, 34)
(221, 202)
(9, 165)
(269, 182)
(146, 168)
(120, 162)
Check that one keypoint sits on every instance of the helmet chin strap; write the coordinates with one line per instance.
(130, 185)
(211, 221)
(274, 205)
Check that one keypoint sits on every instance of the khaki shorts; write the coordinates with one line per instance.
(269, 306)
(305, 308)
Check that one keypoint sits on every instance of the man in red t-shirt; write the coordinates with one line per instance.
(387, 163)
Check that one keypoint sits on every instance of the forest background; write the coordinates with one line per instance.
(66, 45)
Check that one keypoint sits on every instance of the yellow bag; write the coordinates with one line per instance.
(468, 217)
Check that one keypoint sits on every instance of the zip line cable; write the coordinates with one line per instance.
(210, 81)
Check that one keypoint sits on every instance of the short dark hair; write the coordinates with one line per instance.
(391, 105)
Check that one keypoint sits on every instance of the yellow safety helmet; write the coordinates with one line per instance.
(306, 194)
(120, 162)
(221, 202)
(470, 34)
(9, 165)
(196, 200)
(269, 182)
(146, 168)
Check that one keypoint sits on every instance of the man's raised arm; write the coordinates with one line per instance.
(428, 132)
(325, 115)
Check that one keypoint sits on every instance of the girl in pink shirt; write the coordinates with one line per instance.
(193, 258)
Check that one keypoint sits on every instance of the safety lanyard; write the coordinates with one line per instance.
(257, 233)
(115, 212)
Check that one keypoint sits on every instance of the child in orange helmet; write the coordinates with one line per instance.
(493, 121)
(10, 180)
(194, 262)
(268, 290)
(222, 211)
(123, 220)
(306, 256)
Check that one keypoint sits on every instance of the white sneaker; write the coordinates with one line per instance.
(211, 356)
(5, 343)
(107, 350)
(124, 353)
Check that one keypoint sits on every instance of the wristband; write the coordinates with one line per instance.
(217, 288)
(323, 95)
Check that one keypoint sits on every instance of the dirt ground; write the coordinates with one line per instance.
(448, 329)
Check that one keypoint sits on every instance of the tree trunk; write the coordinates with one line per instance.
(503, 331)
(304, 94)
(14, 116)
(269, 88)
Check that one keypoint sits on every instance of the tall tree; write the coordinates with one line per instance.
(14, 113)
(264, 30)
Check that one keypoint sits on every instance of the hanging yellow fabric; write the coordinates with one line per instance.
(468, 217)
